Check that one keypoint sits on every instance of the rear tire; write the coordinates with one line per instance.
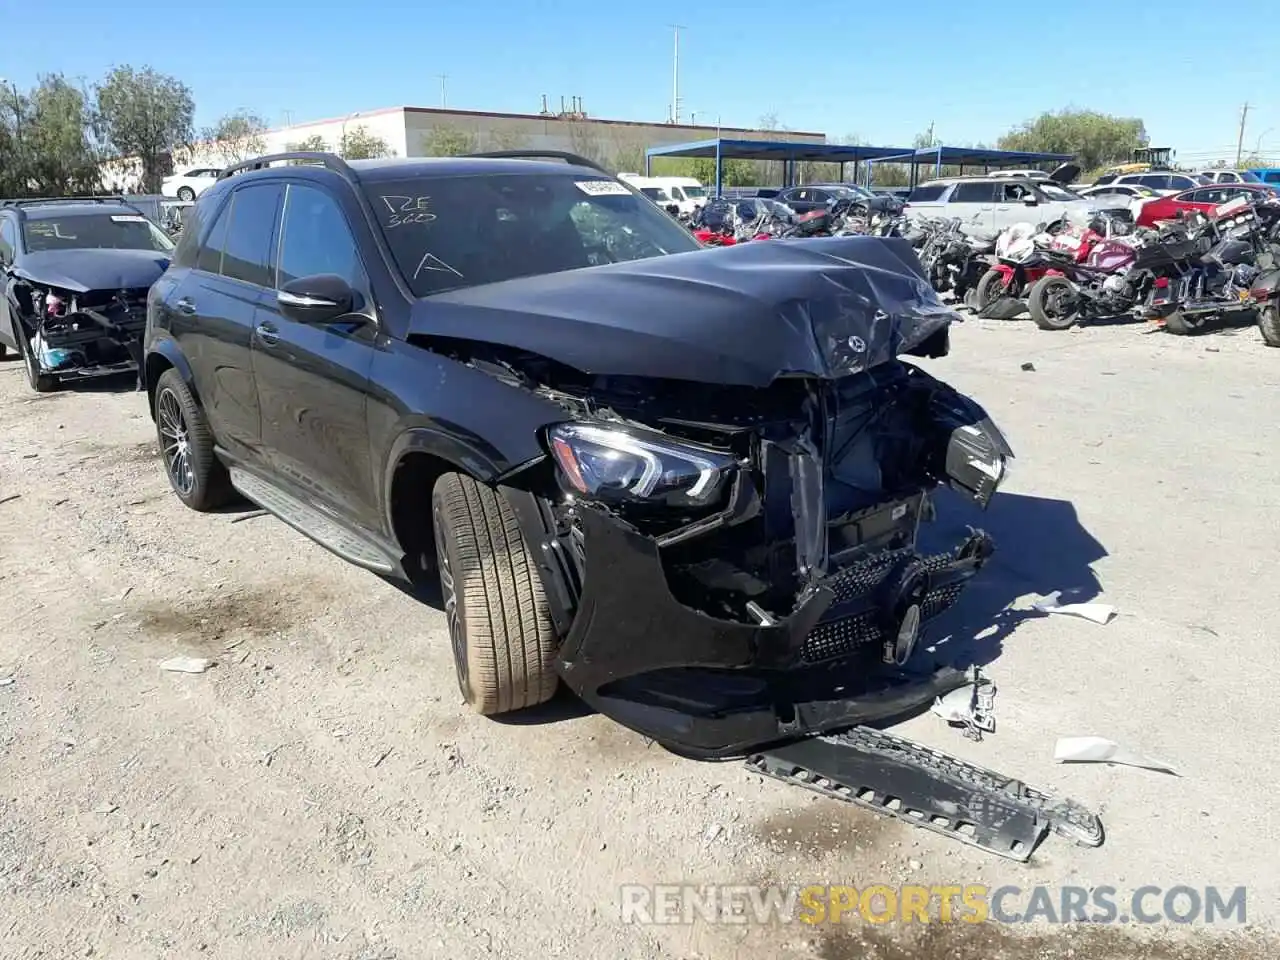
(196, 475)
(504, 641)
(1179, 324)
(186, 193)
(1269, 323)
(989, 287)
(1051, 303)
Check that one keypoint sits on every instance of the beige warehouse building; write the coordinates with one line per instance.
(424, 131)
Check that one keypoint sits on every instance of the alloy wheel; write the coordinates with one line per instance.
(175, 443)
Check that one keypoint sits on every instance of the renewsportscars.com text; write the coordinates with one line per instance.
(918, 903)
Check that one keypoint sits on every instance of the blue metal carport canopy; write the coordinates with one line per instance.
(971, 157)
(788, 151)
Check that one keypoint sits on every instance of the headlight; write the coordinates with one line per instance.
(613, 463)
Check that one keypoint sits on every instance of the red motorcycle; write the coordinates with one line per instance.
(1022, 260)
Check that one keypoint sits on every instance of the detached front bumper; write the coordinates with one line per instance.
(708, 687)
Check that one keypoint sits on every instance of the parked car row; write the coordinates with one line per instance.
(685, 483)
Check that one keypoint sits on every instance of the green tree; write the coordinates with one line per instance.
(1094, 139)
(359, 143)
(62, 153)
(585, 143)
(505, 140)
(627, 155)
(147, 115)
(312, 144)
(236, 137)
(447, 141)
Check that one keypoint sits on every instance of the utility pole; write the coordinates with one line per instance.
(444, 99)
(675, 75)
(1244, 113)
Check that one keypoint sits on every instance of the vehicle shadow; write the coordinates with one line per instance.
(1040, 547)
(115, 383)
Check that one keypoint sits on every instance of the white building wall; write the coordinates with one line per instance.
(387, 124)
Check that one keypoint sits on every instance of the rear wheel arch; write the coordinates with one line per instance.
(159, 359)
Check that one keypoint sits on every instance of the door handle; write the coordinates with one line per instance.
(186, 305)
(267, 333)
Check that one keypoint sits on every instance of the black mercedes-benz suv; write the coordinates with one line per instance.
(686, 482)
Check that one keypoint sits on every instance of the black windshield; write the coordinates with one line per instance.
(101, 231)
(449, 232)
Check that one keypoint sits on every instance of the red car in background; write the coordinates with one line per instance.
(1204, 199)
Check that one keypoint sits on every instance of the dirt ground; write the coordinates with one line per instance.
(320, 792)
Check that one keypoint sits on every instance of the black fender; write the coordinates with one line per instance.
(167, 348)
(1267, 285)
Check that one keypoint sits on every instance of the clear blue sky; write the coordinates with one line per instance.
(882, 71)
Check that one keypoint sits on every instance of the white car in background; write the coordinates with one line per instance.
(986, 205)
(189, 184)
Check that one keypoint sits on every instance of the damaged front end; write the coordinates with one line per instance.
(751, 575)
(727, 516)
(74, 333)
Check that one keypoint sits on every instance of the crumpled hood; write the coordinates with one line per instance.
(741, 315)
(79, 271)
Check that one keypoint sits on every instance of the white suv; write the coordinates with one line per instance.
(1230, 176)
(1164, 182)
(987, 204)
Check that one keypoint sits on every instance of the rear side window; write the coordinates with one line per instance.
(8, 240)
(974, 193)
(209, 258)
(193, 221)
(246, 252)
(926, 194)
(1158, 181)
(1271, 176)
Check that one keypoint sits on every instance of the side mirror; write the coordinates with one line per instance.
(1031, 201)
(316, 299)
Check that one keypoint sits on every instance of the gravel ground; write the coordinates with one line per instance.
(321, 792)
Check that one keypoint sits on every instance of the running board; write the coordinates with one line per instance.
(928, 788)
(311, 522)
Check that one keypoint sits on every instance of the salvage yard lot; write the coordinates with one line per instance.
(321, 791)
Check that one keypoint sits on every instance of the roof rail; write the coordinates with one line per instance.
(31, 201)
(330, 161)
(542, 155)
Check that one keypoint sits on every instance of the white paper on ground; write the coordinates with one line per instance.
(1102, 750)
(186, 664)
(1097, 612)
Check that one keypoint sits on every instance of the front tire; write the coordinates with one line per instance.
(40, 382)
(504, 642)
(196, 475)
(989, 287)
(1269, 323)
(1052, 303)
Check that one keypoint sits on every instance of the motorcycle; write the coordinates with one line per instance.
(953, 260)
(1265, 289)
(1179, 275)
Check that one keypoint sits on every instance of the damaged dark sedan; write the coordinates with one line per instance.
(76, 273)
(685, 483)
